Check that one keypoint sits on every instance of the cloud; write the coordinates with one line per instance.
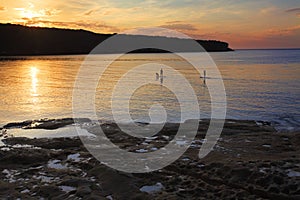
(179, 3)
(180, 26)
(210, 35)
(2, 8)
(89, 12)
(156, 32)
(174, 22)
(268, 10)
(89, 25)
(293, 10)
(81, 4)
(50, 12)
(19, 9)
(282, 32)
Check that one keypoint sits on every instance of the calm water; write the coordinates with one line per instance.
(260, 85)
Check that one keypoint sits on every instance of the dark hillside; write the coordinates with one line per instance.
(22, 40)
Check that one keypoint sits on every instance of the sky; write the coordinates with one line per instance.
(244, 24)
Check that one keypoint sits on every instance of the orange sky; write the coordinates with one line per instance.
(242, 23)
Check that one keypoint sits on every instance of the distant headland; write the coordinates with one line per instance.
(22, 40)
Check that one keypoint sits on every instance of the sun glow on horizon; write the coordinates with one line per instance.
(28, 14)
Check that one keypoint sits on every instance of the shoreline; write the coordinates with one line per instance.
(250, 161)
(57, 123)
(67, 125)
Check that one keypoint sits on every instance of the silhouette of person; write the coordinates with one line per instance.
(204, 77)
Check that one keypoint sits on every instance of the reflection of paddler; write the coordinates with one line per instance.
(204, 76)
(160, 76)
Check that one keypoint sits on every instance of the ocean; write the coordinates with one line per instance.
(259, 84)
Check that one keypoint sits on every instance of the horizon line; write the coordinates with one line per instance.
(278, 48)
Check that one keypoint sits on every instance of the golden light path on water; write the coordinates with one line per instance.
(35, 88)
(34, 81)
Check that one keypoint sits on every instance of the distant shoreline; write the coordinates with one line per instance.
(266, 49)
(80, 54)
(18, 40)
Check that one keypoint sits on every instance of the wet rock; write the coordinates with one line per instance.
(49, 191)
(5, 188)
(116, 182)
(76, 182)
(46, 143)
(258, 173)
(83, 191)
(278, 180)
(49, 124)
(17, 124)
(241, 174)
(95, 197)
(274, 189)
(24, 156)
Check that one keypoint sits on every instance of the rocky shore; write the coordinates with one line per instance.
(250, 161)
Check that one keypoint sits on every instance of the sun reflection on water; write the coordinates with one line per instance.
(34, 81)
